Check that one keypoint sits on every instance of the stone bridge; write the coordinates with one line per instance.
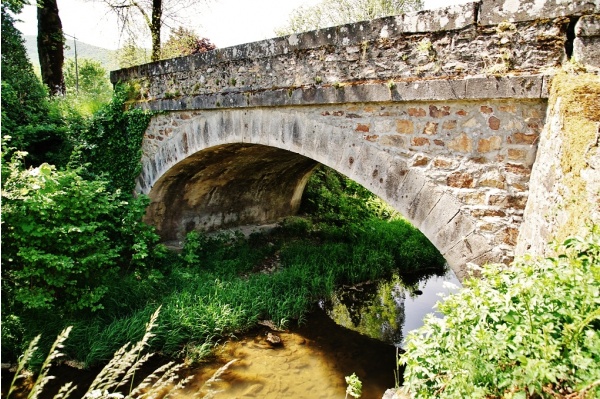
(437, 112)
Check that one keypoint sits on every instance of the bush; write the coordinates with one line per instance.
(526, 332)
(64, 238)
(87, 88)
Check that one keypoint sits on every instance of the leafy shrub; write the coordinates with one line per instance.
(526, 332)
(65, 237)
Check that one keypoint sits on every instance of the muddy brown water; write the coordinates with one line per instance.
(311, 363)
(314, 358)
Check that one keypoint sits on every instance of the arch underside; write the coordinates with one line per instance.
(228, 185)
(225, 168)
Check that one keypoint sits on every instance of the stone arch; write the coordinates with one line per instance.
(193, 179)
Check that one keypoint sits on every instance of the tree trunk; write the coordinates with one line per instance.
(50, 42)
(155, 29)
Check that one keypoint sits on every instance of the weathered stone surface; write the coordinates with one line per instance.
(587, 26)
(564, 197)
(494, 12)
(586, 51)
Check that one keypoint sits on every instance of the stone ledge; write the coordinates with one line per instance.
(471, 88)
(494, 12)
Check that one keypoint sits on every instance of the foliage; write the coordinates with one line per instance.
(184, 42)
(354, 388)
(87, 87)
(332, 198)
(526, 332)
(65, 238)
(221, 285)
(153, 15)
(110, 147)
(130, 55)
(339, 12)
(33, 122)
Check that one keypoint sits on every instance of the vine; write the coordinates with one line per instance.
(111, 146)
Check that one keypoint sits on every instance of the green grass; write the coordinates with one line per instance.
(218, 286)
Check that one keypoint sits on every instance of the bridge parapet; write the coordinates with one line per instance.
(488, 49)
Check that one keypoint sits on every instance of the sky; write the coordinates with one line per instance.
(225, 22)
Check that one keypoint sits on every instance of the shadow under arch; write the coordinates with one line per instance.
(228, 185)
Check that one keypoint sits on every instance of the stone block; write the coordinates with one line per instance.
(493, 143)
(393, 141)
(494, 123)
(419, 141)
(425, 90)
(444, 210)
(515, 154)
(449, 125)
(460, 180)
(449, 18)
(447, 235)
(588, 25)
(407, 190)
(467, 249)
(423, 203)
(417, 112)
(462, 143)
(395, 174)
(504, 87)
(494, 12)
(405, 126)
(586, 50)
(430, 128)
(442, 163)
(420, 160)
(508, 201)
(523, 138)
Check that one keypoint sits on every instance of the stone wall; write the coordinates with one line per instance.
(438, 112)
(450, 43)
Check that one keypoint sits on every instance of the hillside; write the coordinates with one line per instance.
(108, 58)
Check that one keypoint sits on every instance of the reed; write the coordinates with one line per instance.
(116, 379)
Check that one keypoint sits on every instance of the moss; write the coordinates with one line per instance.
(580, 115)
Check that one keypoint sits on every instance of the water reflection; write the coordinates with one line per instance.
(388, 310)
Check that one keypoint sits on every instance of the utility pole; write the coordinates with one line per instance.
(76, 67)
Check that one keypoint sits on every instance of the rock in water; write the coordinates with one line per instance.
(274, 339)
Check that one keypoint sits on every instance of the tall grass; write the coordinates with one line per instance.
(219, 286)
(223, 285)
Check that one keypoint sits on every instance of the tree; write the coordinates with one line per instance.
(130, 55)
(155, 15)
(184, 42)
(50, 41)
(340, 12)
(92, 79)
(27, 115)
